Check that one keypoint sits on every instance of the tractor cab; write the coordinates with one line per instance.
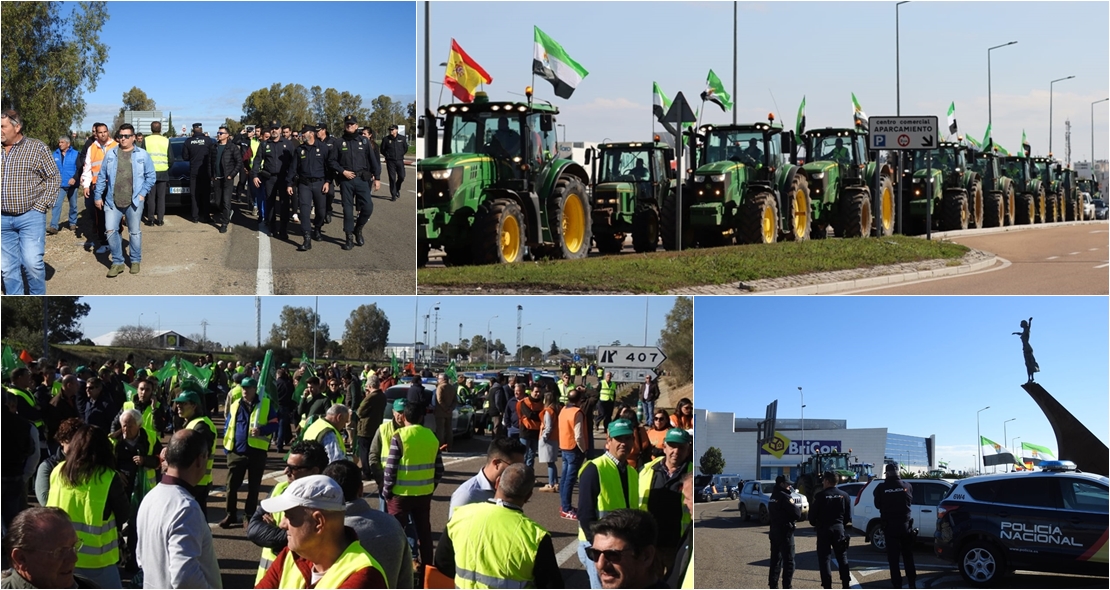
(629, 182)
(757, 146)
(846, 148)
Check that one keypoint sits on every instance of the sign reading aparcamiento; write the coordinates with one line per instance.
(903, 125)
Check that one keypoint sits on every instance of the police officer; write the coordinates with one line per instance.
(830, 514)
(394, 148)
(357, 168)
(784, 513)
(333, 144)
(195, 152)
(273, 171)
(312, 158)
(893, 498)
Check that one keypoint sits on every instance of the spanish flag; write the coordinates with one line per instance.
(463, 74)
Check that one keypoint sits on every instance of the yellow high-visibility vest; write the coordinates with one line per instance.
(158, 147)
(268, 555)
(85, 506)
(192, 425)
(258, 416)
(645, 490)
(353, 559)
(416, 472)
(319, 429)
(30, 401)
(495, 546)
(612, 496)
(607, 390)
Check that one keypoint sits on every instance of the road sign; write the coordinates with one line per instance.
(631, 375)
(768, 431)
(577, 358)
(635, 357)
(903, 133)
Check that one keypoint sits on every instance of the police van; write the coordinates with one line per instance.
(1053, 520)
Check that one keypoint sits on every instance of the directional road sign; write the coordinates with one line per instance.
(634, 357)
(904, 133)
(630, 375)
(577, 358)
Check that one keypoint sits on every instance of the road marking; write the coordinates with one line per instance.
(1052, 258)
(1072, 253)
(1091, 249)
(863, 573)
(571, 550)
(1103, 265)
(1005, 264)
(265, 277)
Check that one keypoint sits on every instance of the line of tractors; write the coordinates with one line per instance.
(492, 189)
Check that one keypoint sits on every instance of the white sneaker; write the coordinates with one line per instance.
(102, 250)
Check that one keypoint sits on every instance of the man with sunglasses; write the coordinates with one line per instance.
(225, 160)
(306, 457)
(126, 178)
(624, 550)
(606, 484)
(196, 152)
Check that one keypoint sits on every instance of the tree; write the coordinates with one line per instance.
(134, 100)
(712, 462)
(171, 132)
(366, 332)
(287, 104)
(49, 61)
(330, 106)
(554, 350)
(677, 340)
(410, 121)
(295, 326)
(23, 321)
(528, 352)
(134, 337)
(386, 113)
(200, 343)
(233, 126)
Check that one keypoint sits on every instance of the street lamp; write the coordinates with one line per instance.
(990, 112)
(898, 103)
(1093, 134)
(1013, 445)
(979, 443)
(488, 336)
(803, 409)
(141, 315)
(1050, 110)
(542, 345)
(1004, 438)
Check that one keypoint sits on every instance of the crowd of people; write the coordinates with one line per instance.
(279, 175)
(120, 459)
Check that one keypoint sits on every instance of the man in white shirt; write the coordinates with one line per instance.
(503, 451)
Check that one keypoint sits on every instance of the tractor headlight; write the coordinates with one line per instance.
(441, 174)
(699, 178)
(717, 178)
(817, 175)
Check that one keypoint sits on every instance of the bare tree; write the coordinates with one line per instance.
(135, 337)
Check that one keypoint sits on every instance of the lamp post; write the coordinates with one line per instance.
(542, 345)
(1004, 439)
(990, 112)
(1050, 110)
(898, 106)
(488, 336)
(140, 320)
(979, 442)
(1093, 134)
(1013, 445)
(803, 410)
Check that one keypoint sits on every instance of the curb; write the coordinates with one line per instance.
(963, 233)
(882, 281)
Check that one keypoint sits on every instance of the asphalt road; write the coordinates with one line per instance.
(736, 554)
(183, 258)
(1056, 259)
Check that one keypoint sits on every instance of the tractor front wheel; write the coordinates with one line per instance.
(1010, 200)
(994, 210)
(1026, 210)
(976, 204)
(886, 207)
(797, 209)
(759, 221)
(499, 232)
(856, 221)
(422, 249)
(645, 230)
(668, 222)
(955, 210)
(568, 211)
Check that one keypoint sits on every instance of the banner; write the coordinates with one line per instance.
(777, 445)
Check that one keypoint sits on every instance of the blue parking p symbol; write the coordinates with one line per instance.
(880, 141)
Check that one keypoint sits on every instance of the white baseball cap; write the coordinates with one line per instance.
(318, 492)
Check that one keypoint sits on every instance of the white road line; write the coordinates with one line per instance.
(1072, 253)
(571, 550)
(265, 277)
(1052, 258)
(1005, 264)
(1091, 249)
(1103, 265)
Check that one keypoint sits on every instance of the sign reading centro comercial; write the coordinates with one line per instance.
(903, 133)
(811, 447)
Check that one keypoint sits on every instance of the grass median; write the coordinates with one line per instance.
(659, 272)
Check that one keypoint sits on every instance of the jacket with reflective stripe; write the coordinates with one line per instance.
(158, 147)
(30, 401)
(148, 418)
(258, 418)
(319, 429)
(268, 555)
(612, 493)
(495, 546)
(564, 391)
(353, 559)
(647, 477)
(192, 425)
(607, 390)
(416, 471)
(385, 433)
(85, 506)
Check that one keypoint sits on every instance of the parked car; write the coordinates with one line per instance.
(462, 416)
(710, 488)
(1053, 520)
(177, 190)
(1100, 208)
(1088, 206)
(755, 496)
(927, 493)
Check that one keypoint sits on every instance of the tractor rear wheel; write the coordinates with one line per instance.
(499, 233)
(759, 221)
(994, 210)
(955, 210)
(797, 212)
(976, 204)
(1041, 207)
(422, 248)
(856, 221)
(608, 242)
(645, 230)
(1054, 209)
(1010, 200)
(668, 220)
(886, 207)
(1026, 210)
(568, 212)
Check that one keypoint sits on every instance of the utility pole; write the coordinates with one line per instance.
(257, 322)
(519, 335)
(203, 332)
(46, 326)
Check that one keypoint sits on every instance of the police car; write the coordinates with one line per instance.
(1053, 520)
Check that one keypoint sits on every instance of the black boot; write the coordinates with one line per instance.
(307, 245)
(349, 244)
(358, 235)
(317, 234)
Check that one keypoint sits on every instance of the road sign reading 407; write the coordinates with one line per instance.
(903, 133)
(632, 357)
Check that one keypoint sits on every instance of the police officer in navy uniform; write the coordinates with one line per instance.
(273, 171)
(333, 145)
(893, 498)
(356, 168)
(830, 514)
(784, 513)
(394, 148)
(195, 152)
(312, 159)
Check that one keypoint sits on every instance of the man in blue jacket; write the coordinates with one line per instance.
(65, 157)
(127, 177)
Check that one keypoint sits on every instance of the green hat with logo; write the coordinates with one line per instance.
(677, 436)
(399, 405)
(619, 428)
(187, 397)
(249, 382)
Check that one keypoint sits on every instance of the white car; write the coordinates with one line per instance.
(927, 493)
(755, 496)
(1088, 206)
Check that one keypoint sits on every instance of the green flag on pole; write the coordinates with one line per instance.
(953, 129)
(394, 364)
(987, 138)
(800, 126)
(551, 62)
(858, 116)
(715, 92)
(298, 393)
(11, 362)
(451, 372)
(660, 103)
(1038, 451)
(1025, 144)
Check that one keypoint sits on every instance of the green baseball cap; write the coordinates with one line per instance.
(249, 382)
(677, 436)
(187, 397)
(399, 405)
(619, 428)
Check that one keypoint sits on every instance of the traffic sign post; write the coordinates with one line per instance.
(630, 375)
(633, 357)
(766, 433)
(905, 134)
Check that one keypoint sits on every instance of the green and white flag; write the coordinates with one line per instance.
(715, 92)
(974, 142)
(858, 115)
(987, 138)
(994, 453)
(952, 128)
(1037, 451)
(1025, 144)
(660, 103)
(800, 126)
(552, 63)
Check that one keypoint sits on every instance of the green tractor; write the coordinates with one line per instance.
(498, 193)
(1049, 171)
(953, 193)
(1072, 207)
(999, 200)
(744, 187)
(1031, 199)
(630, 183)
(841, 174)
(1090, 186)
(809, 472)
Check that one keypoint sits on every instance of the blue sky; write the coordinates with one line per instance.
(573, 321)
(822, 50)
(201, 59)
(915, 365)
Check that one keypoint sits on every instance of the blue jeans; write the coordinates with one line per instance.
(552, 473)
(66, 193)
(591, 567)
(23, 242)
(648, 409)
(532, 449)
(572, 462)
(112, 218)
